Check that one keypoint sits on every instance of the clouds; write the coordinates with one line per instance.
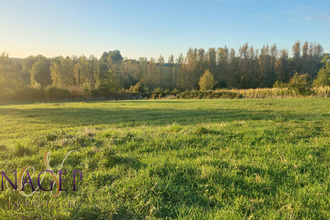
(325, 17)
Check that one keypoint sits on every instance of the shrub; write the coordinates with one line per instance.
(209, 95)
(279, 84)
(175, 91)
(54, 93)
(30, 93)
(102, 91)
(137, 88)
(158, 90)
(300, 84)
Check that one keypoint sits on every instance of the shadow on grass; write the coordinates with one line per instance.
(140, 116)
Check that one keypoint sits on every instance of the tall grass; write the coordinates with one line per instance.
(277, 92)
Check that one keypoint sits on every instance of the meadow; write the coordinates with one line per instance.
(175, 159)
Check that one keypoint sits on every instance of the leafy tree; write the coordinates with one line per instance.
(207, 81)
(27, 64)
(296, 60)
(222, 59)
(84, 72)
(305, 59)
(111, 57)
(114, 81)
(233, 71)
(62, 72)
(115, 56)
(267, 62)
(212, 60)
(101, 74)
(10, 80)
(315, 59)
(323, 76)
(130, 73)
(282, 67)
(40, 72)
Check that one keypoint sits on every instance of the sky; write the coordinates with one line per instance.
(150, 28)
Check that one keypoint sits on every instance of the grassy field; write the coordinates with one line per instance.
(185, 159)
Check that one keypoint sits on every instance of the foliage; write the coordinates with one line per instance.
(29, 94)
(137, 88)
(10, 80)
(87, 76)
(279, 84)
(40, 72)
(62, 72)
(54, 93)
(300, 83)
(208, 95)
(206, 82)
(323, 76)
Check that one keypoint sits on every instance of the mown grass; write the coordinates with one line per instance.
(185, 159)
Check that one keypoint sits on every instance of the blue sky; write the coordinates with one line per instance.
(145, 28)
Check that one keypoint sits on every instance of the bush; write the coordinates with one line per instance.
(175, 91)
(30, 93)
(54, 93)
(137, 88)
(279, 84)
(208, 95)
(158, 90)
(300, 84)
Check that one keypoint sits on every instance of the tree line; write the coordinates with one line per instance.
(246, 68)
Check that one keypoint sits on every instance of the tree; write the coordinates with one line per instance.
(115, 56)
(222, 60)
(188, 74)
(40, 72)
(282, 67)
(111, 57)
(84, 72)
(10, 81)
(267, 61)
(233, 70)
(27, 64)
(207, 82)
(305, 59)
(101, 73)
(62, 72)
(212, 60)
(130, 73)
(315, 58)
(296, 60)
(323, 76)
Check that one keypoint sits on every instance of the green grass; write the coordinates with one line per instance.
(185, 159)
